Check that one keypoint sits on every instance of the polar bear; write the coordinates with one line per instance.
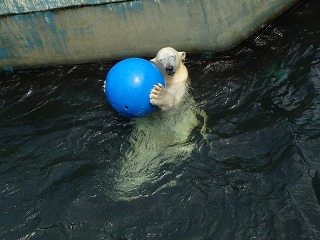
(163, 139)
(170, 63)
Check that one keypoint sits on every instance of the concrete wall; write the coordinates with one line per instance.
(127, 29)
(28, 6)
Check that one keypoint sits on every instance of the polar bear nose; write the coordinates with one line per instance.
(169, 70)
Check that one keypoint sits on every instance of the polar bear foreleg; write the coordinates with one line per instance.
(159, 96)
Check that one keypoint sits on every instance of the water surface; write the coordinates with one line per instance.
(252, 171)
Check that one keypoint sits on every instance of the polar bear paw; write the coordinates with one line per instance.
(159, 96)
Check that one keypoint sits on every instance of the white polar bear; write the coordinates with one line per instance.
(170, 63)
(162, 139)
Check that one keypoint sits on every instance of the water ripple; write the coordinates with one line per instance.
(249, 168)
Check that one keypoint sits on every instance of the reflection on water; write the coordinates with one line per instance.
(244, 164)
(157, 144)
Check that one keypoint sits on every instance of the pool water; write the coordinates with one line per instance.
(247, 167)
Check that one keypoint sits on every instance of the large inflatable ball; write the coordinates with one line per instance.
(128, 85)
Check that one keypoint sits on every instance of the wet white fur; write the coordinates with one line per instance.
(176, 83)
(163, 138)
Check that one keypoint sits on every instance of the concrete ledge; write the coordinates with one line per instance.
(115, 30)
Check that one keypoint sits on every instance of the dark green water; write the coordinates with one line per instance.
(253, 174)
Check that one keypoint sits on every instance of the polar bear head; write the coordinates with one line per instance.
(168, 60)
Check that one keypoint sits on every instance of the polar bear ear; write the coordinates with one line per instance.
(182, 55)
(153, 60)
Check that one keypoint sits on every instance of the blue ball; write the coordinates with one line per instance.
(128, 85)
